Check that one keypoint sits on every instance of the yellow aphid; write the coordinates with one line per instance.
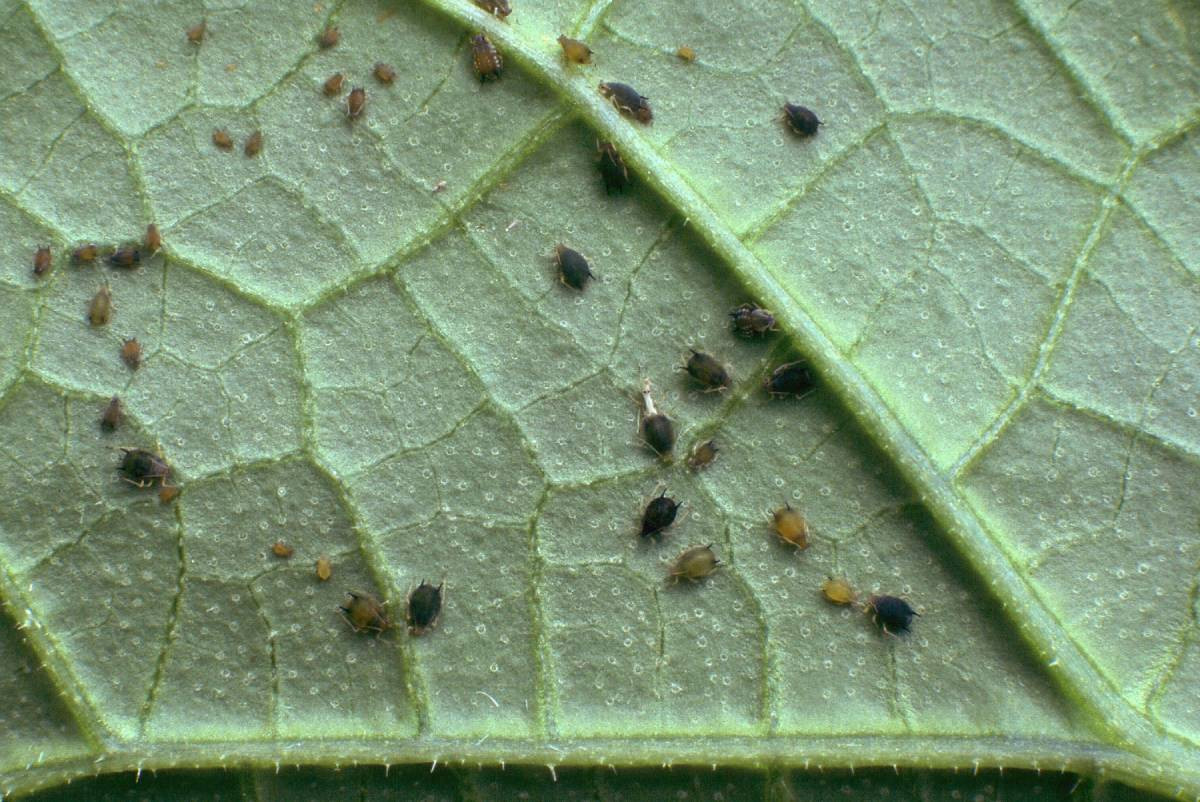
(694, 564)
(791, 526)
(324, 568)
(686, 53)
(837, 590)
(575, 51)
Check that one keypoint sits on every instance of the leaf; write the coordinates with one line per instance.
(987, 253)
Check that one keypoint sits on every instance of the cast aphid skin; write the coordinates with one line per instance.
(790, 526)
(221, 139)
(802, 120)
(356, 102)
(658, 515)
(333, 85)
(750, 320)
(384, 73)
(41, 261)
(575, 51)
(282, 550)
(85, 254)
(657, 429)
(497, 8)
(253, 145)
(141, 467)
(891, 613)
(694, 564)
(686, 53)
(195, 34)
(364, 613)
(838, 590)
(487, 60)
(627, 101)
(424, 607)
(612, 168)
(131, 353)
(329, 38)
(573, 268)
(100, 308)
(153, 239)
(794, 378)
(324, 568)
(703, 455)
(127, 256)
(114, 413)
(708, 372)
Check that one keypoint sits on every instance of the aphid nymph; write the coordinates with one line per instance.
(686, 53)
(801, 119)
(167, 494)
(41, 261)
(702, 455)
(127, 256)
(153, 239)
(131, 353)
(708, 372)
(573, 268)
(488, 62)
(141, 467)
(424, 607)
(657, 429)
(356, 102)
(694, 564)
(791, 526)
(498, 8)
(253, 144)
(85, 254)
(750, 320)
(575, 51)
(612, 168)
(838, 590)
(329, 38)
(627, 101)
(100, 309)
(333, 84)
(324, 568)
(794, 378)
(364, 613)
(282, 550)
(222, 139)
(891, 613)
(659, 514)
(384, 73)
(195, 34)
(113, 415)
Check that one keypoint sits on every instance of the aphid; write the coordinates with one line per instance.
(253, 144)
(838, 591)
(659, 514)
(222, 139)
(329, 38)
(891, 613)
(153, 239)
(282, 550)
(167, 494)
(686, 53)
(694, 564)
(195, 34)
(790, 526)
(384, 73)
(131, 352)
(41, 261)
(85, 254)
(440, 186)
(800, 119)
(575, 51)
(750, 319)
(573, 268)
(487, 59)
(113, 415)
(365, 613)
(424, 607)
(707, 371)
(794, 378)
(657, 429)
(141, 467)
(497, 8)
(127, 256)
(333, 84)
(702, 455)
(612, 168)
(627, 101)
(324, 568)
(356, 102)
(100, 309)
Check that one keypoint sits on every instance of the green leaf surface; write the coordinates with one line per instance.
(356, 342)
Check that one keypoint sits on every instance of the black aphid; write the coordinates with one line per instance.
(657, 429)
(612, 168)
(794, 378)
(486, 58)
(659, 514)
(707, 371)
(628, 101)
(141, 467)
(750, 320)
(424, 607)
(801, 119)
(573, 268)
(892, 614)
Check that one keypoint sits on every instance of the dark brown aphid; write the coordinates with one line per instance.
(356, 102)
(694, 564)
(612, 168)
(167, 494)
(324, 568)
(333, 84)
(100, 309)
(131, 353)
(703, 455)
(627, 101)
(686, 53)
(838, 590)
(801, 119)
(488, 62)
(498, 8)
(364, 613)
(791, 526)
(384, 73)
(85, 254)
(141, 467)
(195, 34)
(575, 51)
(659, 514)
(424, 607)
(114, 413)
(657, 429)
(329, 38)
(891, 613)
(794, 378)
(573, 268)
(750, 320)
(222, 139)
(708, 372)
(153, 239)
(282, 550)
(41, 261)
(127, 256)
(253, 144)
